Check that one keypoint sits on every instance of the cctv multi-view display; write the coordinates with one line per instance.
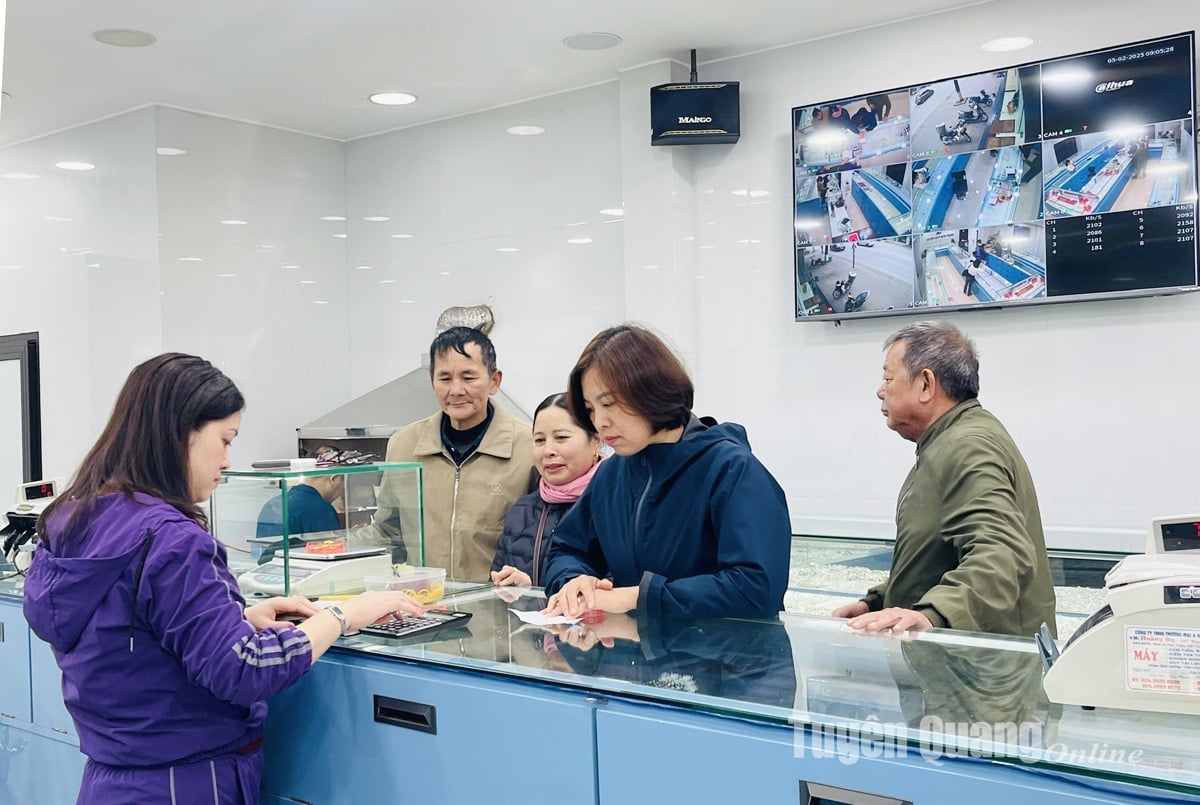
(1054, 181)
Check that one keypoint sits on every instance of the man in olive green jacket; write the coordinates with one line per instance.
(477, 460)
(969, 551)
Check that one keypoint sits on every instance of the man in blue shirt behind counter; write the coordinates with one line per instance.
(310, 508)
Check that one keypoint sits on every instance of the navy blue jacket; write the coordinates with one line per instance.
(308, 512)
(519, 543)
(699, 526)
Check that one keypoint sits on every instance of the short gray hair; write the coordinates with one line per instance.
(943, 349)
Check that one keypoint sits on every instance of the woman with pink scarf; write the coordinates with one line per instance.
(566, 457)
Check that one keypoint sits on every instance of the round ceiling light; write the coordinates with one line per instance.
(525, 131)
(124, 38)
(1006, 43)
(166, 151)
(393, 98)
(75, 166)
(595, 40)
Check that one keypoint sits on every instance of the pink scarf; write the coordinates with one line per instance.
(568, 492)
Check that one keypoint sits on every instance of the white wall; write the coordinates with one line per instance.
(87, 282)
(1096, 394)
(464, 188)
(263, 325)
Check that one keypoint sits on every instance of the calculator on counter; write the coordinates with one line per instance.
(412, 625)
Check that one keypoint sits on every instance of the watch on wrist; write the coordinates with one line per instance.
(336, 612)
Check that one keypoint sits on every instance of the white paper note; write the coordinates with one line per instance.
(538, 619)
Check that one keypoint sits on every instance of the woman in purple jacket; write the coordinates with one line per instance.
(165, 671)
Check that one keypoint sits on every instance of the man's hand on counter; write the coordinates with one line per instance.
(894, 618)
(852, 610)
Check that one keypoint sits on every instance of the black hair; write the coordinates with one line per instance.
(457, 339)
(145, 445)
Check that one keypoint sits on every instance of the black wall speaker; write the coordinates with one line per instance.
(694, 114)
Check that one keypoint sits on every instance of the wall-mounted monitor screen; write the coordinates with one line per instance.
(1062, 180)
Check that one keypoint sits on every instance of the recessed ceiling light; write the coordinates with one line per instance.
(650, 268)
(227, 275)
(363, 268)
(387, 282)
(525, 131)
(124, 38)
(233, 222)
(333, 218)
(408, 301)
(75, 166)
(291, 266)
(402, 236)
(191, 259)
(595, 40)
(576, 223)
(613, 211)
(320, 302)
(1006, 43)
(92, 265)
(579, 241)
(507, 249)
(56, 219)
(167, 151)
(19, 175)
(341, 235)
(308, 282)
(377, 218)
(759, 193)
(740, 192)
(445, 273)
(393, 98)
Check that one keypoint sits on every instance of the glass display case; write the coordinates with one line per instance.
(318, 530)
(941, 695)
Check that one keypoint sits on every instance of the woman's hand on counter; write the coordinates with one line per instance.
(576, 596)
(265, 614)
(376, 605)
(619, 599)
(509, 576)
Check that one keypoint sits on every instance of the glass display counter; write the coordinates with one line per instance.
(810, 701)
(321, 530)
(826, 572)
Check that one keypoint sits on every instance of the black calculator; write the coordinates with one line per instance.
(411, 625)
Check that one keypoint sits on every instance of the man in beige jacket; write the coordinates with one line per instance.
(477, 460)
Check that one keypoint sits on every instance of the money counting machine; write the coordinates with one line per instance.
(1141, 650)
(18, 535)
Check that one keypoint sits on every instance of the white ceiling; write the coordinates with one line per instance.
(309, 65)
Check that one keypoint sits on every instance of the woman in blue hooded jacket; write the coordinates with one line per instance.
(165, 672)
(683, 521)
